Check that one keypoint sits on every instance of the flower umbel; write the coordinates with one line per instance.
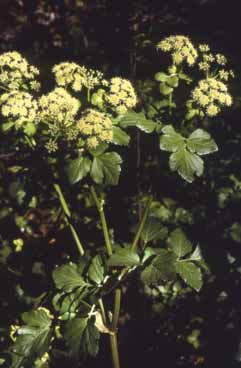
(19, 106)
(121, 95)
(211, 95)
(17, 73)
(180, 48)
(96, 127)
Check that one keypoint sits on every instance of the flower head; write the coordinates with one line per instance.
(121, 95)
(76, 76)
(96, 127)
(58, 107)
(180, 48)
(211, 94)
(19, 106)
(16, 72)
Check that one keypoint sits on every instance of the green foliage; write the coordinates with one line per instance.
(82, 337)
(106, 168)
(68, 277)
(77, 169)
(186, 151)
(33, 338)
(124, 257)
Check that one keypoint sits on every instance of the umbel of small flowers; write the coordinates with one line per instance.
(19, 107)
(96, 127)
(210, 95)
(181, 49)
(16, 73)
(72, 75)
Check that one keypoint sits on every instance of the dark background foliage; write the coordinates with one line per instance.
(119, 37)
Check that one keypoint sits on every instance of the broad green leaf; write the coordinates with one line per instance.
(124, 257)
(82, 337)
(96, 270)
(139, 120)
(68, 277)
(201, 143)
(33, 338)
(77, 169)
(165, 263)
(99, 150)
(161, 269)
(179, 243)
(173, 81)
(69, 304)
(190, 273)
(120, 136)
(153, 230)
(161, 77)
(165, 89)
(106, 168)
(187, 164)
(7, 126)
(171, 141)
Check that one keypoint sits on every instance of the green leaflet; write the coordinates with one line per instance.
(185, 151)
(190, 273)
(82, 337)
(77, 169)
(33, 338)
(96, 270)
(106, 168)
(120, 137)
(179, 243)
(68, 277)
(124, 257)
(138, 120)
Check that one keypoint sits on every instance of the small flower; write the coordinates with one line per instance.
(96, 127)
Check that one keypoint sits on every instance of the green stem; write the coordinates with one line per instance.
(114, 324)
(170, 103)
(100, 209)
(114, 351)
(88, 95)
(68, 215)
(116, 310)
(141, 225)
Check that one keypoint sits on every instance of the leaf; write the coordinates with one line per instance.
(138, 120)
(120, 136)
(96, 270)
(165, 89)
(68, 305)
(196, 255)
(77, 169)
(124, 257)
(179, 243)
(201, 143)
(153, 230)
(191, 113)
(160, 77)
(68, 277)
(187, 164)
(82, 337)
(171, 141)
(173, 81)
(161, 269)
(106, 168)
(190, 273)
(33, 338)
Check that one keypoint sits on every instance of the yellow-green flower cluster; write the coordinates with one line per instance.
(19, 106)
(76, 76)
(180, 48)
(121, 95)
(16, 72)
(96, 127)
(211, 95)
(58, 107)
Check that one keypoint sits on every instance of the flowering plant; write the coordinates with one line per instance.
(75, 132)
